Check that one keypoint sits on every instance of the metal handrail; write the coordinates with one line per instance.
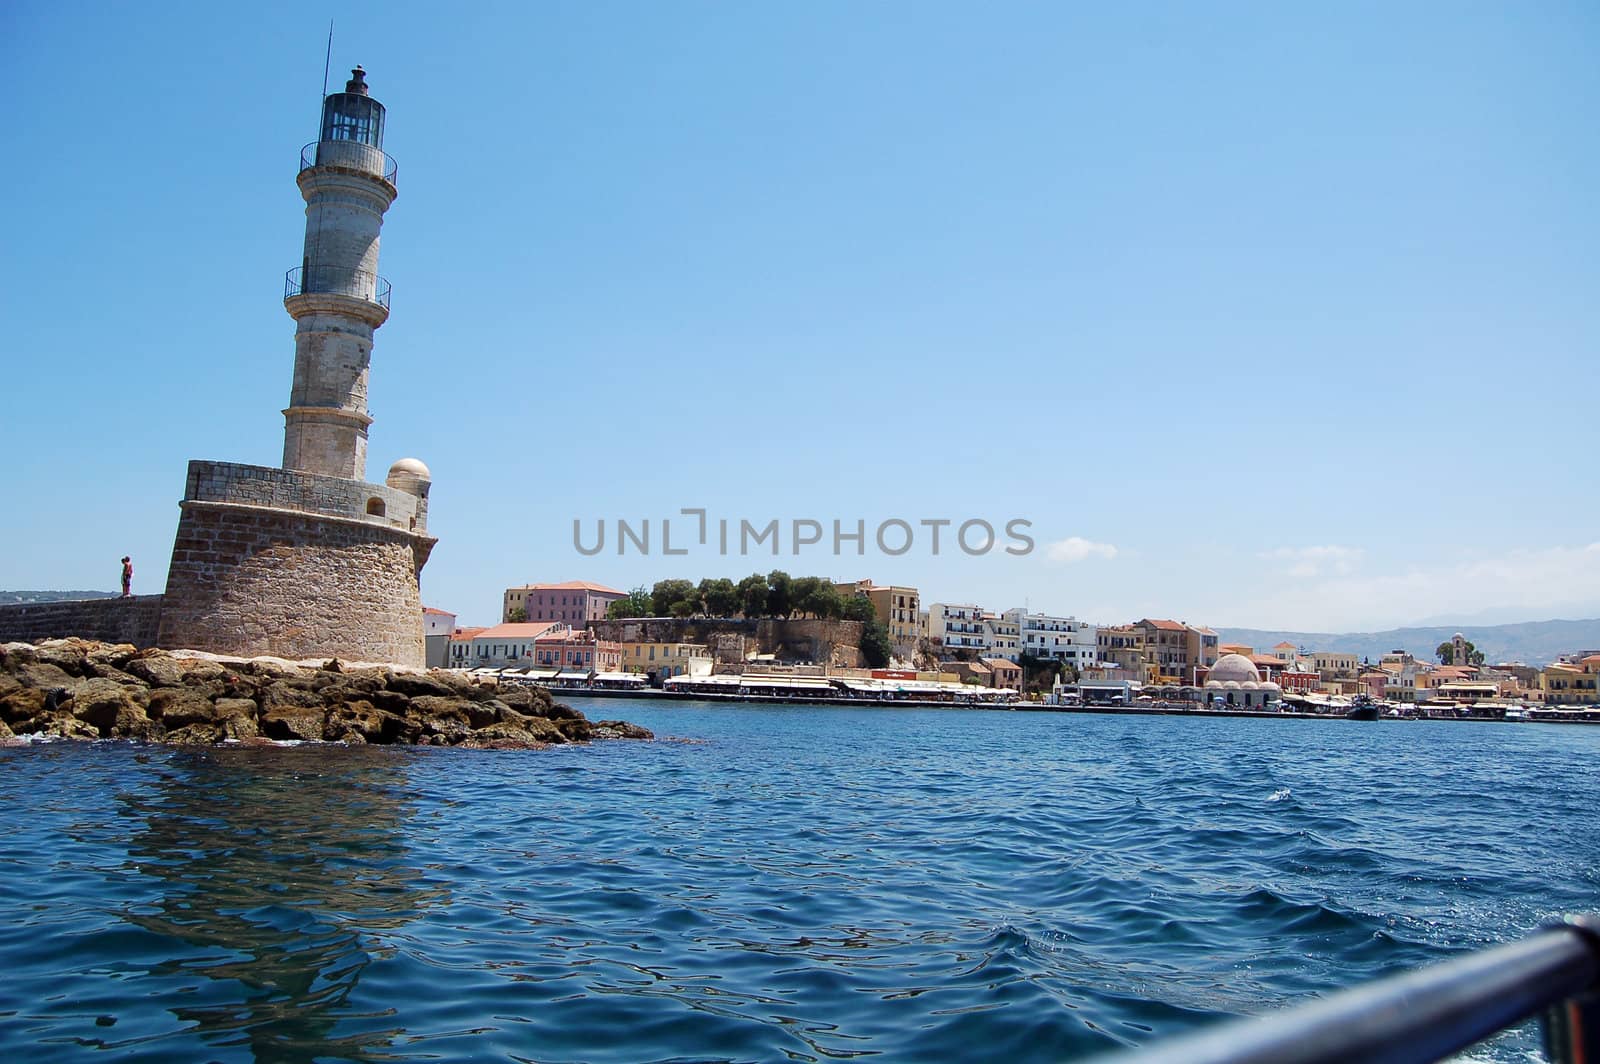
(339, 281)
(1423, 1015)
(350, 155)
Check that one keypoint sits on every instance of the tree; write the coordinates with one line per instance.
(859, 608)
(1444, 652)
(816, 596)
(780, 601)
(637, 604)
(1447, 652)
(753, 592)
(875, 646)
(518, 615)
(669, 597)
(720, 597)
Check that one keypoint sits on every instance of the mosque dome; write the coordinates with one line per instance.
(1234, 667)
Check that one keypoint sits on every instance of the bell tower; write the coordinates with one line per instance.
(335, 295)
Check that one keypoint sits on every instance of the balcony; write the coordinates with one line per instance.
(337, 281)
(350, 155)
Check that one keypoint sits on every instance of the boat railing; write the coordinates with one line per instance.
(1424, 1015)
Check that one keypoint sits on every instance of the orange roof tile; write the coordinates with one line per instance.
(1165, 626)
(464, 635)
(437, 613)
(571, 585)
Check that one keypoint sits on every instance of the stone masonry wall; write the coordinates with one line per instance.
(289, 489)
(110, 620)
(832, 642)
(250, 581)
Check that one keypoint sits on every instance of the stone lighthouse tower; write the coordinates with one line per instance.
(335, 295)
(309, 560)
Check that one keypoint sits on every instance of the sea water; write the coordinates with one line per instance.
(768, 883)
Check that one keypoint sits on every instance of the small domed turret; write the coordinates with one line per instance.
(411, 476)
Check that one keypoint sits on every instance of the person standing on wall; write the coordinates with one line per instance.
(127, 577)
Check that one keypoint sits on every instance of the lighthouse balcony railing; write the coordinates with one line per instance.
(336, 280)
(350, 155)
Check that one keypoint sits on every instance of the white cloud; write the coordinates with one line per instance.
(1077, 549)
(1307, 562)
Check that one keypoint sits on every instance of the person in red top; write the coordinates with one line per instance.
(127, 577)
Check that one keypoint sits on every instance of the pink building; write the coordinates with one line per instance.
(577, 651)
(576, 602)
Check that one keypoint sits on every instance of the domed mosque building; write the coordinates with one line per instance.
(1234, 681)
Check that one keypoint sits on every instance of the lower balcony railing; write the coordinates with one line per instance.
(338, 281)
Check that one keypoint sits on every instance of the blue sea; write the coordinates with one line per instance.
(768, 883)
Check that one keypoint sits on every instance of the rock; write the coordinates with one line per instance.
(201, 734)
(65, 654)
(505, 736)
(61, 724)
(292, 722)
(43, 675)
(177, 707)
(414, 684)
(620, 729)
(575, 729)
(362, 721)
(111, 708)
(111, 655)
(21, 705)
(237, 717)
(160, 669)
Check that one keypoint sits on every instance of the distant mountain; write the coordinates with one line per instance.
(13, 598)
(1534, 642)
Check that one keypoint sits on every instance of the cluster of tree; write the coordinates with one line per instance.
(775, 594)
(1447, 653)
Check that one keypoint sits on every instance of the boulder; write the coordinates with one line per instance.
(21, 705)
(415, 684)
(205, 733)
(114, 710)
(620, 729)
(176, 707)
(361, 721)
(43, 675)
(237, 717)
(292, 722)
(68, 655)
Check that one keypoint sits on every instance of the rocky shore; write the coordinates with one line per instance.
(77, 689)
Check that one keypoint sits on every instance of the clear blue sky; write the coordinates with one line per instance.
(1271, 314)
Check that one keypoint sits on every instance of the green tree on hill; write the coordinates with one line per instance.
(720, 597)
(637, 604)
(780, 602)
(518, 615)
(875, 646)
(674, 598)
(753, 592)
(1447, 651)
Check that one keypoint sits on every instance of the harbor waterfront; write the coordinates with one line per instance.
(768, 882)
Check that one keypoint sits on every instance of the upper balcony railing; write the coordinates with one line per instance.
(336, 280)
(349, 155)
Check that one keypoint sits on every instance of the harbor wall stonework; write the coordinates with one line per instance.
(253, 580)
(133, 620)
(290, 489)
(732, 639)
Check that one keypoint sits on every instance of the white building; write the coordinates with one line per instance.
(1067, 639)
(1002, 638)
(437, 626)
(956, 627)
(501, 646)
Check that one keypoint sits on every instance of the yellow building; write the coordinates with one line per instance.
(667, 659)
(1564, 683)
(897, 607)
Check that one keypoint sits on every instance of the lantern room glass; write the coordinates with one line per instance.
(352, 116)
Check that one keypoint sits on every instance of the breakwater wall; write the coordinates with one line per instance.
(732, 639)
(133, 620)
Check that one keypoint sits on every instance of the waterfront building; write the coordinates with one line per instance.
(1331, 665)
(577, 652)
(1067, 639)
(573, 602)
(510, 645)
(459, 654)
(1203, 649)
(897, 607)
(956, 627)
(1001, 637)
(437, 626)
(1003, 673)
(1166, 646)
(1122, 648)
(1568, 683)
(1236, 682)
(662, 660)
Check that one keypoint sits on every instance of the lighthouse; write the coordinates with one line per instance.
(335, 295)
(308, 560)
